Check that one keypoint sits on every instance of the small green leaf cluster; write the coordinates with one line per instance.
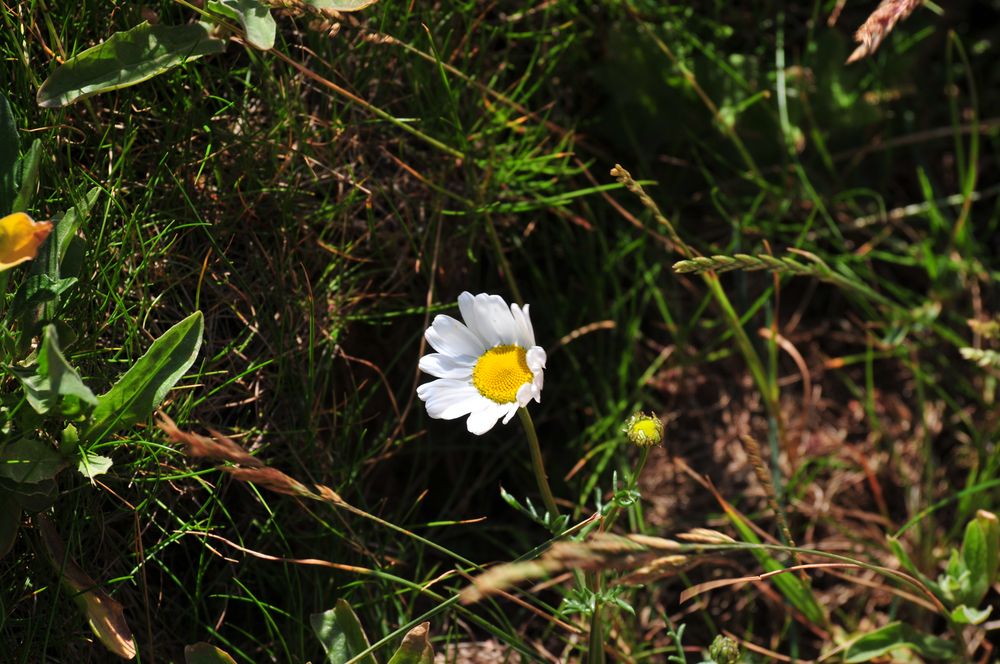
(972, 570)
(584, 601)
(970, 573)
(555, 524)
(55, 420)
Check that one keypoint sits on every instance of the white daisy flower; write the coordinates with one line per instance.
(486, 368)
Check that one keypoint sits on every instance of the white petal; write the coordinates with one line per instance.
(525, 394)
(527, 323)
(447, 399)
(535, 358)
(467, 306)
(481, 421)
(525, 338)
(511, 409)
(483, 328)
(447, 335)
(496, 323)
(445, 366)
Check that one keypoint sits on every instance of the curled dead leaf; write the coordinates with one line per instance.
(104, 613)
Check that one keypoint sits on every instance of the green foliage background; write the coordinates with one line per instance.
(319, 237)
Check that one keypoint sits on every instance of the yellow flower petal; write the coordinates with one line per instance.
(20, 237)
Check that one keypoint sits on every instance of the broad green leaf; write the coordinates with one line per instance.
(340, 5)
(9, 153)
(29, 461)
(991, 531)
(137, 394)
(38, 289)
(10, 521)
(125, 59)
(254, 16)
(51, 382)
(91, 465)
(415, 648)
(32, 497)
(897, 635)
(965, 615)
(975, 553)
(206, 653)
(790, 585)
(26, 177)
(53, 272)
(341, 634)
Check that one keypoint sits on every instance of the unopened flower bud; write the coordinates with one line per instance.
(644, 430)
(724, 650)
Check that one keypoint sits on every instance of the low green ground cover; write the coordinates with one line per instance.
(790, 262)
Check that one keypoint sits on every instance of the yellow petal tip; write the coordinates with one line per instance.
(20, 238)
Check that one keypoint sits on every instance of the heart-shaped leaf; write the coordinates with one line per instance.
(29, 461)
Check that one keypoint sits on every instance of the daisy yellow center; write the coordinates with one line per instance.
(500, 371)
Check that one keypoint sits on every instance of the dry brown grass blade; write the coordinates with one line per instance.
(601, 551)
(270, 478)
(218, 448)
(879, 25)
(698, 589)
(104, 614)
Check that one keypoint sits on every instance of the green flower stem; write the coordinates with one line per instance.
(612, 515)
(595, 648)
(536, 462)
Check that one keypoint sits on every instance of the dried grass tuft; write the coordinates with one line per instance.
(879, 24)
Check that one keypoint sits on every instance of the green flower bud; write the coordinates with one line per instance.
(724, 650)
(644, 430)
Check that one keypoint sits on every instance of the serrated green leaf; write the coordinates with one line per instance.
(137, 393)
(415, 648)
(341, 634)
(340, 5)
(51, 382)
(29, 461)
(964, 615)
(26, 176)
(897, 635)
(254, 17)
(206, 653)
(91, 465)
(125, 59)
